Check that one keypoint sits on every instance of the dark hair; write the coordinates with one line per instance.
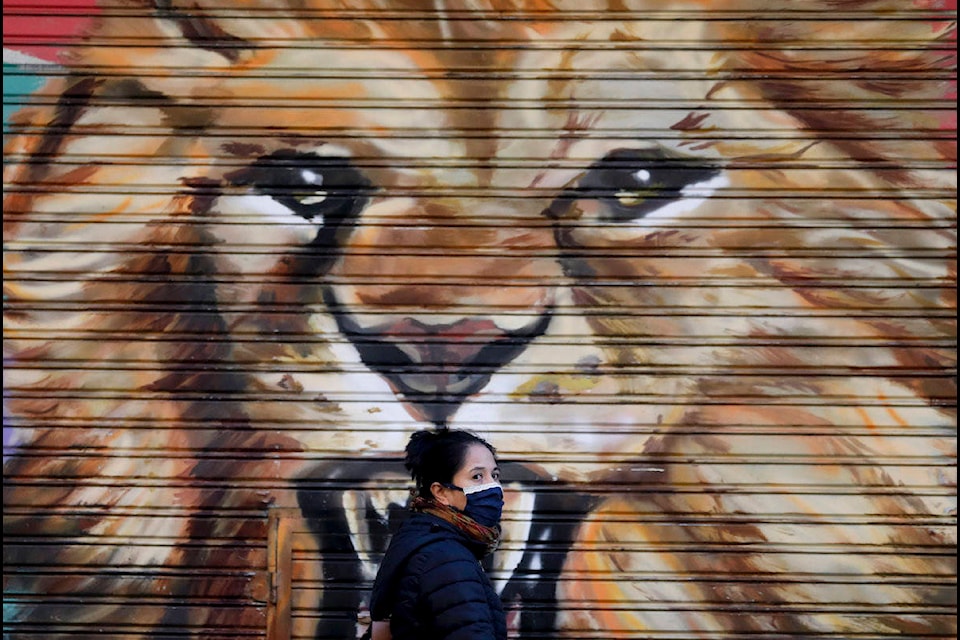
(437, 455)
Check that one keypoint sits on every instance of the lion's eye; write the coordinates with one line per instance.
(633, 183)
(325, 191)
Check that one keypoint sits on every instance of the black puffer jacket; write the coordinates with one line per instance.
(432, 587)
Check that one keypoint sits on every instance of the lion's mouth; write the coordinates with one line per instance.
(434, 368)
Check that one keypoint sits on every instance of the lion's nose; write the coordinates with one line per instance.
(436, 298)
(434, 368)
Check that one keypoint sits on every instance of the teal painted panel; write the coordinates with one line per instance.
(17, 83)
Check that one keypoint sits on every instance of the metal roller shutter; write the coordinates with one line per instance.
(689, 266)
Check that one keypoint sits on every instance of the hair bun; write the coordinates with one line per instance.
(420, 444)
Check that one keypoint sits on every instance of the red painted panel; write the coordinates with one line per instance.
(42, 27)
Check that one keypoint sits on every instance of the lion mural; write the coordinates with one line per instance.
(692, 273)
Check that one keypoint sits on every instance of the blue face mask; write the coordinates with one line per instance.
(484, 503)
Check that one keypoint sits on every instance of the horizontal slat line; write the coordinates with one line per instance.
(720, 576)
(159, 600)
(939, 337)
(655, 516)
(243, 338)
(926, 334)
(780, 578)
(630, 79)
(762, 282)
(129, 574)
(756, 399)
(537, 221)
(333, 558)
(476, 134)
(552, 14)
(48, 630)
(301, 526)
(146, 540)
(569, 576)
(303, 588)
(103, 630)
(601, 14)
(930, 193)
(813, 283)
(727, 548)
(37, 544)
(226, 219)
(223, 309)
(816, 491)
(704, 373)
(757, 249)
(118, 189)
(714, 605)
(938, 235)
(904, 14)
(721, 550)
(862, 256)
(934, 164)
(505, 165)
(242, 485)
(611, 461)
(334, 43)
(631, 282)
(146, 573)
(621, 400)
(602, 132)
(305, 632)
(91, 426)
(280, 72)
(933, 222)
(731, 168)
(938, 191)
(693, 347)
(680, 518)
(919, 14)
(848, 607)
(667, 605)
(185, 513)
(634, 283)
(745, 312)
(122, 631)
(160, 571)
(311, 104)
(545, 21)
(658, 519)
(707, 605)
(890, 133)
(599, 459)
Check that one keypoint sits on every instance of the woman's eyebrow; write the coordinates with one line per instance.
(483, 468)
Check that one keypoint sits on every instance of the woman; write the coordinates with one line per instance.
(431, 585)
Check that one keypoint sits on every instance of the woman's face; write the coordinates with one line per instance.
(479, 467)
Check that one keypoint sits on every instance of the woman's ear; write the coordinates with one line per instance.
(439, 493)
